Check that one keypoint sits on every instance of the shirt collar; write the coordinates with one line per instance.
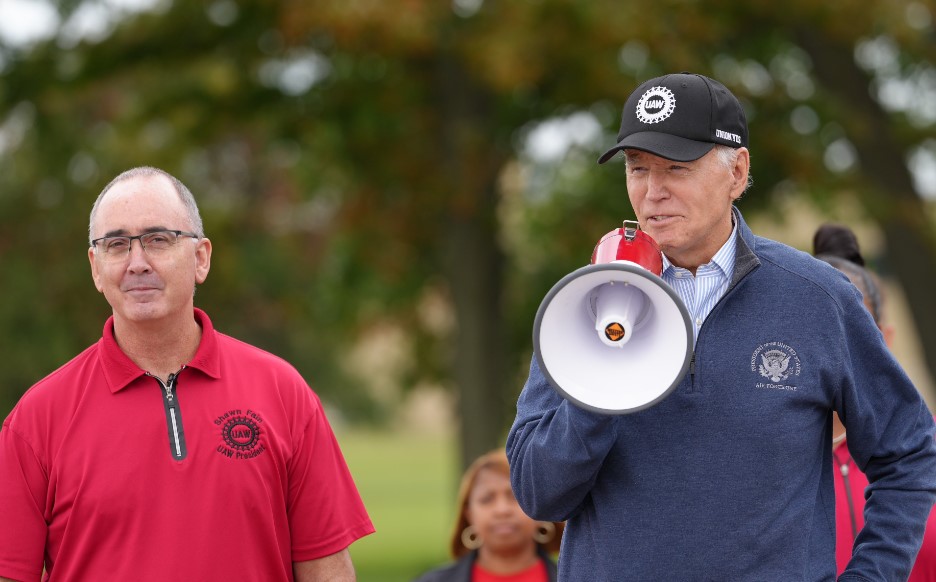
(120, 371)
(724, 259)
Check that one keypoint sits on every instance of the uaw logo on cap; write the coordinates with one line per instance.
(655, 105)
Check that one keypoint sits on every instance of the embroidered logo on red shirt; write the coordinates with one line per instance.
(240, 434)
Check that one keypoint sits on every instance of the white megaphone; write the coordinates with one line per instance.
(613, 337)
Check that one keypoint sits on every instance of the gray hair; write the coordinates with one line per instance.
(727, 156)
(185, 195)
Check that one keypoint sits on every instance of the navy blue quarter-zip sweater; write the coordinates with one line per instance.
(729, 478)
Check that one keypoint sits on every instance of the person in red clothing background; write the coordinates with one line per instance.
(838, 246)
(493, 540)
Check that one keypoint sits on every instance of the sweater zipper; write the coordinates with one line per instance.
(177, 446)
(692, 371)
(731, 286)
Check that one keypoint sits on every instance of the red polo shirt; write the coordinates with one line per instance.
(850, 487)
(231, 472)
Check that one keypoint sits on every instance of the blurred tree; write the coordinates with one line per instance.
(355, 158)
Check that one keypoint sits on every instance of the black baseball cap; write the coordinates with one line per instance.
(680, 117)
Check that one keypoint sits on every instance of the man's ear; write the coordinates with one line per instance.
(94, 270)
(202, 260)
(740, 172)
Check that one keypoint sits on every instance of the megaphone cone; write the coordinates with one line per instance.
(613, 337)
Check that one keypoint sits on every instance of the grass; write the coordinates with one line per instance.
(408, 482)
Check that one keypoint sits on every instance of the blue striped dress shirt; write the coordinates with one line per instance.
(701, 292)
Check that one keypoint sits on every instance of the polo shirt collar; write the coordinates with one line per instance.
(120, 371)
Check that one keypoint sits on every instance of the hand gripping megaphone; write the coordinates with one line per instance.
(613, 337)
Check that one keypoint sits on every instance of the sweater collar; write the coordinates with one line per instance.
(120, 371)
(745, 259)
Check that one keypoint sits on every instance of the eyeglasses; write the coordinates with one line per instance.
(114, 248)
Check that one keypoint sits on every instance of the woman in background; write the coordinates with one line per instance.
(838, 246)
(493, 539)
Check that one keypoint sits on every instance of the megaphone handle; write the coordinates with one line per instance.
(630, 232)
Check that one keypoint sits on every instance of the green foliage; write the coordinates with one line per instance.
(354, 158)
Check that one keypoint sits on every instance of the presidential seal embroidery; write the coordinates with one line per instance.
(777, 362)
(774, 364)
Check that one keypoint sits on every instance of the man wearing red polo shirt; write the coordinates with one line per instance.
(168, 450)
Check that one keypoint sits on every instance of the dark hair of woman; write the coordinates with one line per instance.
(837, 245)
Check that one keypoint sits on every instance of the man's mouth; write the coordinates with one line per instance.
(140, 289)
(140, 286)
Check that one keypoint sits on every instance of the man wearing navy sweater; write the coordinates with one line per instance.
(729, 477)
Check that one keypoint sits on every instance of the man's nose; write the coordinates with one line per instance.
(656, 186)
(139, 261)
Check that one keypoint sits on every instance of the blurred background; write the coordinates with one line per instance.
(392, 186)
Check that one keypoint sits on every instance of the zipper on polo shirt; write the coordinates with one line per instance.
(173, 415)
